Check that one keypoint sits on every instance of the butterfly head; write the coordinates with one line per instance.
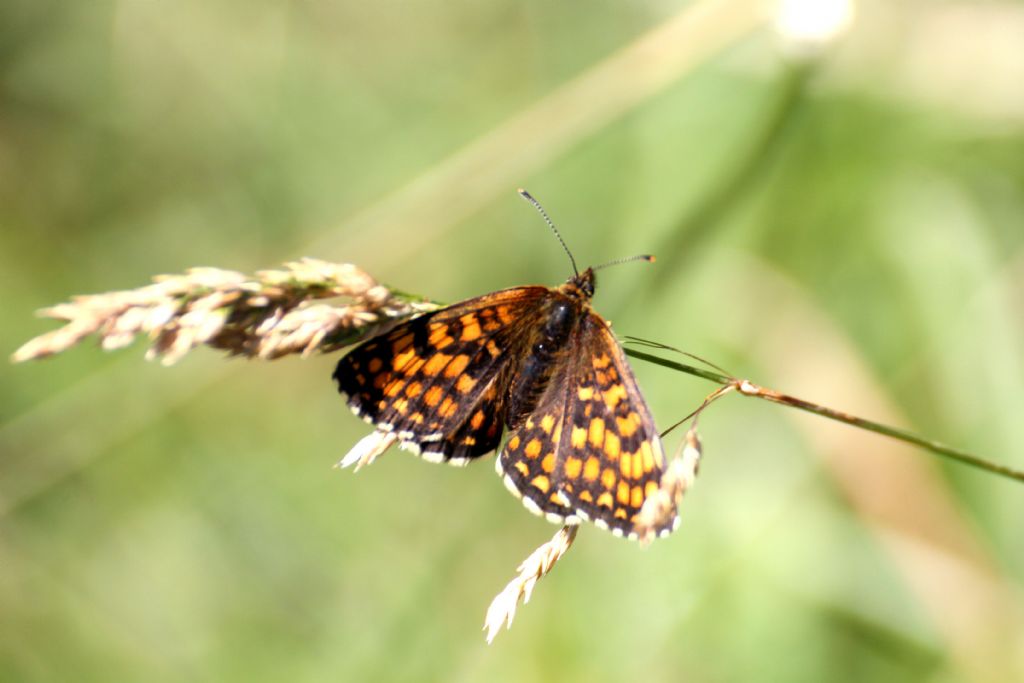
(580, 286)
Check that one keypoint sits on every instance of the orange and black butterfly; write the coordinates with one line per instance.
(531, 369)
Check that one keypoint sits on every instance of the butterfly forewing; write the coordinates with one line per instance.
(590, 449)
(435, 380)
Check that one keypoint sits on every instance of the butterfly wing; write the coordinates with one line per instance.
(589, 450)
(435, 381)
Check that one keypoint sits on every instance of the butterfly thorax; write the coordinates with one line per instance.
(563, 314)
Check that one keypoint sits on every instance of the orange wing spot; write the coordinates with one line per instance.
(456, 367)
(573, 467)
(470, 328)
(375, 365)
(601, 378)
(636, 499)
(447, 408)
(647, 456)
(628, 425)
(620, 513)
(626, 464)
(360, 379)
(547, 423)
(613, 396)
(622, 493)
(380, 381)
(491, 325)
(585, 393)
(505, 315)
(650, 489)
(402, 406)
(604, 500)
(586, 497)
(439, 337)
(596, 432)
(395, 388)
(522, 467)
(612, 446)
(478, 419)
(641, 459)
(436, 364)
(608, 478)
(578, 438)
(587, 409)
(541, 482)
(591, 469)
(433, 396)
(548, 463)
(413, 389)
(602, 361)
(417, 418)
(469, 441)
(493, 349)
(401, 359)
(533, 448)
(400, 343)
(513, 443)
(465, 384)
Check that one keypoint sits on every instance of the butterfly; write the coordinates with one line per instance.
(533, 372)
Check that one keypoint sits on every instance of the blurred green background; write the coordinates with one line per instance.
(844, 222)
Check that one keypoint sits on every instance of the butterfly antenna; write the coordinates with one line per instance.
(640, 257)
(547, 219)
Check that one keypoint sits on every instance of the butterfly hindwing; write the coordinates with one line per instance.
(435, 380)
(590, 449)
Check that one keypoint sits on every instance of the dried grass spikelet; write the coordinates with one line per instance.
(677, 479)
(266, 316)
(540, 562)
(368, 449)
